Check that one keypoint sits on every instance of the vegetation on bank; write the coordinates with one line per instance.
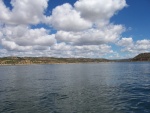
(46, 60)
(52, 60)
(142, 57)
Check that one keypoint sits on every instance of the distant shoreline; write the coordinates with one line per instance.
(70, 63)
(54, 63)
(52, 60)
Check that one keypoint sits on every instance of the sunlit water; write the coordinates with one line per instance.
(75, 88)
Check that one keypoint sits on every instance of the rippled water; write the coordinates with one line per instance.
(75, 88)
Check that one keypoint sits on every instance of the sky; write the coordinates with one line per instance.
(112, 29)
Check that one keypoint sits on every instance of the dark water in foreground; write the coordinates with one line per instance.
(75, 88)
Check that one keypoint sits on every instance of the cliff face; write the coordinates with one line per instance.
(142, 57)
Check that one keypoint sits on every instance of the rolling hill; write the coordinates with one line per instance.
(142, 57)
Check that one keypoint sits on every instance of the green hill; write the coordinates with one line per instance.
(142, 57)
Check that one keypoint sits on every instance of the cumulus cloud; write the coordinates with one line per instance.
(85, 14)
(86, 51)
(139, 46)
(10, 45)
(143, 45)
(23, 12)
(92, 36)
(125, 42)
(24, 38)
(65, 17)
(99, 11)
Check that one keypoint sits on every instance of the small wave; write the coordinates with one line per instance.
(44, 79)
(62, 97)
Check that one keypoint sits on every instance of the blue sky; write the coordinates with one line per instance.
(136, 16)
(74, 28)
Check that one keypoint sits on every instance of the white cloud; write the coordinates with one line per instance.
(143, 45)
(107, 34)
(59, 50)
(4, 12)
(139, 46)
(23, 12)
(125, 42)
(95, 51)
(65, 18)
(24, 38)
(10, 45)
(99, 10)
(84, 14)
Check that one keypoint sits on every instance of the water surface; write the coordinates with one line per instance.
(75, 88)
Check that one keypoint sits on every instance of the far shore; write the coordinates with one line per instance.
(54, 63)
(68, 63)
(143, 57)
